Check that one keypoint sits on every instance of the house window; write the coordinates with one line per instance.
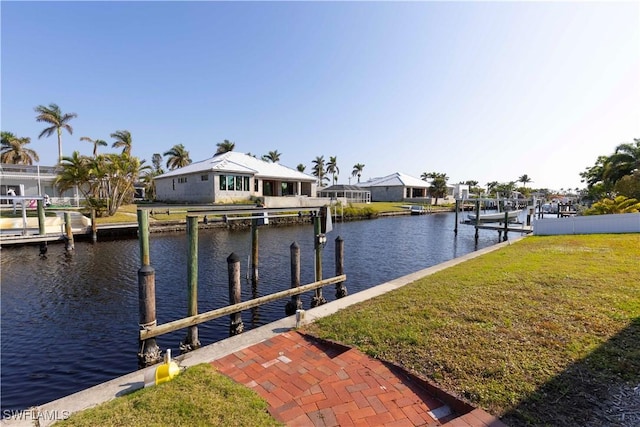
(204, 177)
(255, 184)
(234, 183)
(182, 180)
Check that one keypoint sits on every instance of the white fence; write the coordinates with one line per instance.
(594, 224)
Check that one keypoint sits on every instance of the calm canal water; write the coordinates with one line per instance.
(69, 321)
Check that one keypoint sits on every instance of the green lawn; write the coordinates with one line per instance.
(541, 332)
(198, 397)
(537, 332)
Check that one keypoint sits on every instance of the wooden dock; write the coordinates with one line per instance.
(497, 226)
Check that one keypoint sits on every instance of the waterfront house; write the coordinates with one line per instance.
(397, 187)
(235, 177)
(35, 180)
(400, 187)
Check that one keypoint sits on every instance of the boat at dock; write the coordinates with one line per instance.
(512, 216)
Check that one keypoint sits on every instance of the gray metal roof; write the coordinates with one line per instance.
(342, 187)
(396, 180)
(234, 162)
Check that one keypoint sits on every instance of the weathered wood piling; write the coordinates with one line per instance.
(69, 245)
(235, 294)
(149, 352)
(296, 302)
(319, 241)
(41, 219)
(341, 289)
(191, 342)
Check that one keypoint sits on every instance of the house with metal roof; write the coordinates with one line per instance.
(232, 177)
(400, 187)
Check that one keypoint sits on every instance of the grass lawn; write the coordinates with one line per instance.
(541, 332)
(197, 397)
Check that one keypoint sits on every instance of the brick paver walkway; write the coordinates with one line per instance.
(310, 383)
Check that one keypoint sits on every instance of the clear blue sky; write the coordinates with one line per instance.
(484, 91)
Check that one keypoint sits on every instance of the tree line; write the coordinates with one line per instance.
(107, 180)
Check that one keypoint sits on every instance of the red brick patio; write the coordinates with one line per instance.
(308, 382)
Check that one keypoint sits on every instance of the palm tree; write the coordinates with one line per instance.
(75, 171)
(624, 161)
(425, 176)
(272, 156)
(156, 159)
(58, 121)
(318, 169)
(357, 170)
(178, 157)
(225, 146)
(491, 187)
(332, 168)
(123, 139)
(438, 186)
(106, 181)
(13, 150)
(301, 167)
(96, 143)
(524, 179)
(619, 205)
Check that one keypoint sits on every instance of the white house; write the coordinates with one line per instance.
(396, 187)
(400, 187)
(35, 180)
(231, 177)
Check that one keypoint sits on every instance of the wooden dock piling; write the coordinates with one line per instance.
(477, 219)
(341, 289)
(254, 252)
(296, 302)
(69, 245)
(191, 342)
(235, 294)
(318, 299)
(41, 220)
(149, 352)
(455, 227)
(506, 225)
(94, 226)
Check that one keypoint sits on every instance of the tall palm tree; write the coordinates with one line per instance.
(332, 168)
(318, 170)
(13, 150)
(272, 156)
(524, 179)
(178, 157)
(225, 146)
(96, 143)
(124, 140)
(301, 167)
(357, 170)
(52, 115)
